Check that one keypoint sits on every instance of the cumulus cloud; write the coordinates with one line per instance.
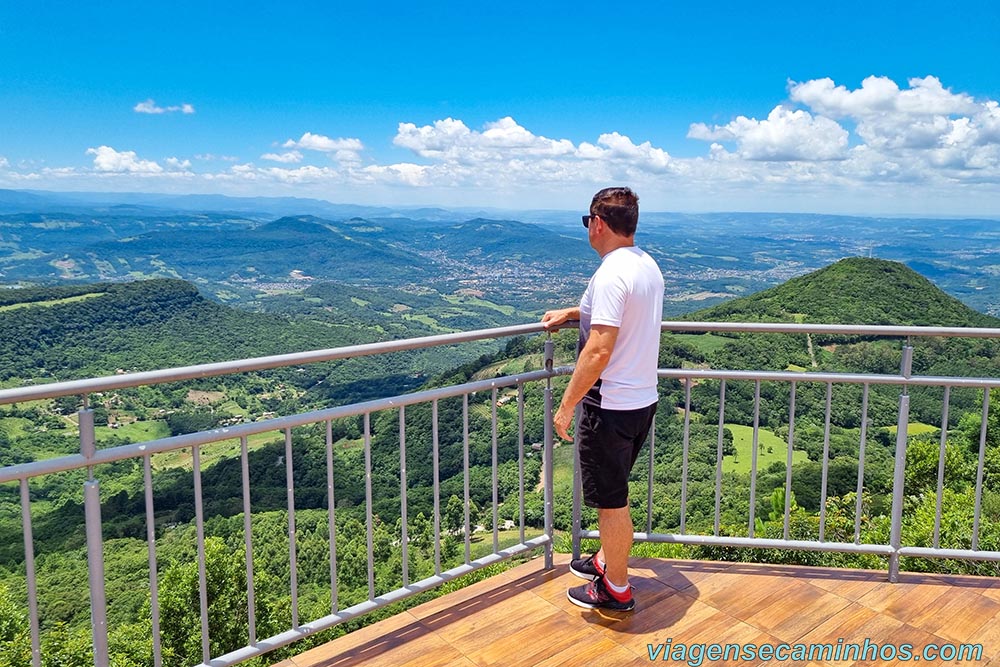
(341, 150)
(452, 140)
(3, 161)
(878, 95)
(150, 107)
(921, 123)
(287, 158)
(177, 163)
(108, 160)
(785, 135)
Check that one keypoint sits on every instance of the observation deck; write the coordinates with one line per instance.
(473, 440)
(522, 617)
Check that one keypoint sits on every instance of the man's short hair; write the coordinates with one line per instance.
(619, 207)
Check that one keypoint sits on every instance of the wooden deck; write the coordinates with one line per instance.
(522, 617)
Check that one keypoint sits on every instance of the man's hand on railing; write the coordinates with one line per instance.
(553, 318)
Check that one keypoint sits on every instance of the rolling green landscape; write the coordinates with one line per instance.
(221, 311)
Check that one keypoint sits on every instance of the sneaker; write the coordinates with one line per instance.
(586, 568)
(596, 595)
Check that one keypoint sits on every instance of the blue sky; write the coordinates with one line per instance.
(848, 107)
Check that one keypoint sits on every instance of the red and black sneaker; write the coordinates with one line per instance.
(586, 568)
(596, 595)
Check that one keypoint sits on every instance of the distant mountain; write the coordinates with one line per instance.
(855, 290)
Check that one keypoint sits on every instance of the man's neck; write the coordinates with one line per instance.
(614, 242)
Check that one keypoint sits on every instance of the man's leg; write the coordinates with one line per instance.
(615, 526)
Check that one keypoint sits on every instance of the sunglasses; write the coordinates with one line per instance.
(587, 219)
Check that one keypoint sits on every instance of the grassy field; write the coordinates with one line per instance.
(743, 440)
(915, 428)
(705, 343)
(482, 303)
(182, 458)
(16, 427)
(53, 302)
(527, 362)
(139, 431)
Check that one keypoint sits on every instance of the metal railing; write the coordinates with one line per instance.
(90, 457)
(894, 549)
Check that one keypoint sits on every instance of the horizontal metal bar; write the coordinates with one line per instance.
(752, 542)
(112, 454)
(283, 360)
(966, 554)
(842, 378)
(832, 329)
(326, 622)
(256, 364)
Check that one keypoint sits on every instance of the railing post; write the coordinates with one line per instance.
(898, 477)
(95, 543)
(547, 462)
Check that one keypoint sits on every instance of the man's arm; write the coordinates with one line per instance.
(592, 362)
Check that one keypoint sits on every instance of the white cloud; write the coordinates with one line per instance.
(107, 159)
(879, 94)
(451, 140)
(150, 107)
(318, 142)
(287, 158)
(784, 136)
(211, 157)
(3, 161)
(177, 163)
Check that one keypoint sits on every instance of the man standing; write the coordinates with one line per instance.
(615, 380)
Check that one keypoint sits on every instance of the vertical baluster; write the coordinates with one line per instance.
(496, 489)
(30, 574)
(199, 513)
(248, 540)
(465, 453)
(293, 567)
(369, 526)
(95, 541)
(649, 482)
(980, 467)
(331, 519)
(826, 461)
(435, 446)
(684, 458)
(718, 457)
(154, 592)
(941, 458)
(520, 458)
(788, 463)
(858, 507)
(404, 538)
(753, 456)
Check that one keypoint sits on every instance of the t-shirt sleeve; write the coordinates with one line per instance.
(610, 294)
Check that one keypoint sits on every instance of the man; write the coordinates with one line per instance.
(615, 380)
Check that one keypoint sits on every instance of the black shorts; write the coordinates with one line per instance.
(609, 442)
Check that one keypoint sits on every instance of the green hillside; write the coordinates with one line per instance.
(64, 333)
(856, 290)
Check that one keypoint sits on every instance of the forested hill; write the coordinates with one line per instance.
(856, 290)
(67, 332)
(75, 331)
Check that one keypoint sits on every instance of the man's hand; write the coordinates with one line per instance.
(553, 318)
(562, 420)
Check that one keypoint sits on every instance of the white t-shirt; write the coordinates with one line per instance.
(626, 292)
